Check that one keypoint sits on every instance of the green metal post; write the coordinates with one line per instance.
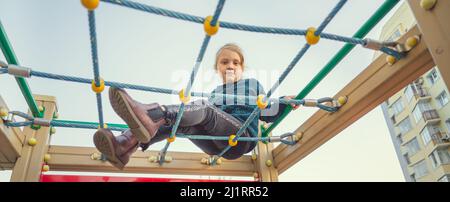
(23, 85)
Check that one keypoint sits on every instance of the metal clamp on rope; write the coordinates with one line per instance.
(377, 45)
(310, 103)
(41, 122)
(19, 71)
(274, 139)
(288, 139)
(3, 64)
(373, 44)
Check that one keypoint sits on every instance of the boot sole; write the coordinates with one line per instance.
(124, 110)
(104, 144)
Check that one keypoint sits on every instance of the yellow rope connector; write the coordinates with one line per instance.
(255, 175)
(231, 142)
(95, 156)
(412, 42)
(45, 168)
(171, 139)
(207, 161)
(98, 89)
(298, 136)
(153, 159)
(168, 159)
(183, 98)
(204, 161)
(90, 4)
(41, 109)
(32, 141)
(311, 38)
(3, 112)
(391, 60)
(52, 130)
(268, 163)
(219, 161)
(254, 156)
(427, 4)
(47, 158)
(104, 126)
(342, 100)
(210, 30)
(260, 103)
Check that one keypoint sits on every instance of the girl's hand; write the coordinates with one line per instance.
(290, 97)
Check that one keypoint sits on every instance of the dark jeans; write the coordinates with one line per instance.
(203, 118)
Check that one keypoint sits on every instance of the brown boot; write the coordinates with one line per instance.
(143, 120)
(116, 149)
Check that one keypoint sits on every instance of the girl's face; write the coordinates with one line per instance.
(229, 66)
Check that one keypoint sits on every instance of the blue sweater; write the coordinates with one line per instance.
(242, 108)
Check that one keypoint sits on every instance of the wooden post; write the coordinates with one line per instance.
(265, 166)
(435, 27)
(10, 142)
(29, 166)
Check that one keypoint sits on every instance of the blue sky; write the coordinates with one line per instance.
(146, 49)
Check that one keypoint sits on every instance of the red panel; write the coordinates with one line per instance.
(84, 178)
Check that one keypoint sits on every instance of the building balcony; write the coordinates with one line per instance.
(421, 93)
(439, 138)
(431, 116)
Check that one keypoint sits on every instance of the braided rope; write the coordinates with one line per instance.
(252, 99)
(94, 54)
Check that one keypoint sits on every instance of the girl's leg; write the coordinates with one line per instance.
(144, 121)
(203, 118)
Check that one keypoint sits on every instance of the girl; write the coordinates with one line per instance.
(217, 116)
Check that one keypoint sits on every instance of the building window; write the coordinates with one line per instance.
(434, 160)
(442, 99)
(397, 106)
(433, 76)
(412, 146)
(445, 178)
(417, 113)
(426, 136)
(444, 155)
(405, 126)
(420, 108)
(420, 169)
(440, 156)
(430, 133)
(409, 93)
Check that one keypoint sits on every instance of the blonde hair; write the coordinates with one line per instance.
(232, 47)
